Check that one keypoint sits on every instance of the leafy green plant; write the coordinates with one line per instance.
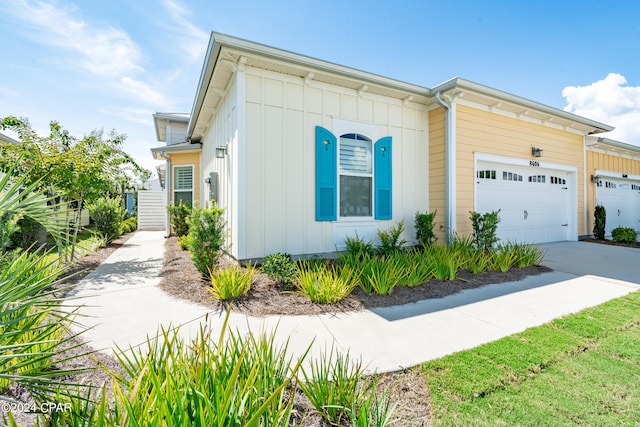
(424, 223)
(477, 261)
(179, 217)
(281, 268)
(234, 380)
(333, 386)
(207, 231)
(600, 215)
(130, 225)
(624, 234)
(323, 284)
(526, 255)
(357, 246)
(382, 274)
(231, 282)
(485, 229)
(446, 262)
(390, 241)
(503, 258)
(185, 242)
(419, 269)
(107, 213)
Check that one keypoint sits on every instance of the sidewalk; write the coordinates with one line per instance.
(125, 306)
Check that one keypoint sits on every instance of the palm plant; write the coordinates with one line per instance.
(33, 327)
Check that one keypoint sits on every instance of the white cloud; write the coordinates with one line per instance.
(610, 101)
(192, 40)
(104, 51)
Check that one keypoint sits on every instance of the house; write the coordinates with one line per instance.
(302, 152)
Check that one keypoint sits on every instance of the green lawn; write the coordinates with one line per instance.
(583, 369)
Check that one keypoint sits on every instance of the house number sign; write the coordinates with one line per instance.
(534, 163)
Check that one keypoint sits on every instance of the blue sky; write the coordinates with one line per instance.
(112, 64)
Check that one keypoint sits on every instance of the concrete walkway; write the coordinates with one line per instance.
(124, 306)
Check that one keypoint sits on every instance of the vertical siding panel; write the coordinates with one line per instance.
(294, 186)
(255, 188)
(437, 169)
(274, 167)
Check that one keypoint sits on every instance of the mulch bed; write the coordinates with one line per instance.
(181, 279)
(612, 243)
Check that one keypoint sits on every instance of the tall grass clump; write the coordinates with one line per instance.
(446, 262)
(234, 381)
(325, 284)
(381, 275)
(526, 255)
(207, 233)
(503, 258)
(231, 282)
(333, 384)
(419, 268)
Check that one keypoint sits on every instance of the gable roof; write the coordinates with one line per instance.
(160, 122)
(226, 54)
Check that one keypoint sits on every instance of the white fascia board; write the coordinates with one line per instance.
(615, 143)
(616, 175)
(458, 83)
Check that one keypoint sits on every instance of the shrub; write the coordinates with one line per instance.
(419, 268)
(281, 268)
(446, 262)
(424, 224)
(129, 225)
(231, 282)
(485, 228)
(185, 242)
(390, 240)
(323, 284)
(179, 216)
(477, 261)
(107, 213)
(600, 215)
(624, 234)
(207, 231)
(358, 247)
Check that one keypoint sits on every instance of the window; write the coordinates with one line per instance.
(183, 185)
(511, 176)
(353, 176)
(557, 180)
(635, 187)
(356, 175)
(537, 178)
(486, 174)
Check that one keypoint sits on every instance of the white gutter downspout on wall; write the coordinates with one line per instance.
(167, 189)
(450, 166)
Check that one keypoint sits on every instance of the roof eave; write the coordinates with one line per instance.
(458, 82)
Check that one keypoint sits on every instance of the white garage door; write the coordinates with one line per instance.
(621, 199)
(533, 201)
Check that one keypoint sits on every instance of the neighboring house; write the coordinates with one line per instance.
(613, 176)
(302, 153)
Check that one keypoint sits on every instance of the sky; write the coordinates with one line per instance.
(112, 64)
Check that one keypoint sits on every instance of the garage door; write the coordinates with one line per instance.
(533, 201)
(621, 199)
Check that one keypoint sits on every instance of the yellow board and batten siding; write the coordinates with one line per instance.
(437, 169)
(485, 132)
(605, 162)
(187, 159)
(283, 112)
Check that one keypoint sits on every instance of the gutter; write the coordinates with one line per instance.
(450, 167)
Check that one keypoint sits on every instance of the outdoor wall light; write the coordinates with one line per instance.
(536, 152)
(221, 152)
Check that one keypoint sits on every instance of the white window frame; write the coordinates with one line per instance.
(343, 127)
(182, 190)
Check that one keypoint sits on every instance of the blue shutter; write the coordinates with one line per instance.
(382, 178)
(326, 175)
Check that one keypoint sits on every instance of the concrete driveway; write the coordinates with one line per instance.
(584, 258)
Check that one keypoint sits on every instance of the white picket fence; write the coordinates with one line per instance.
(152, 211)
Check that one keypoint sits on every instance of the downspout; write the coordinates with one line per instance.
(450, 167)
